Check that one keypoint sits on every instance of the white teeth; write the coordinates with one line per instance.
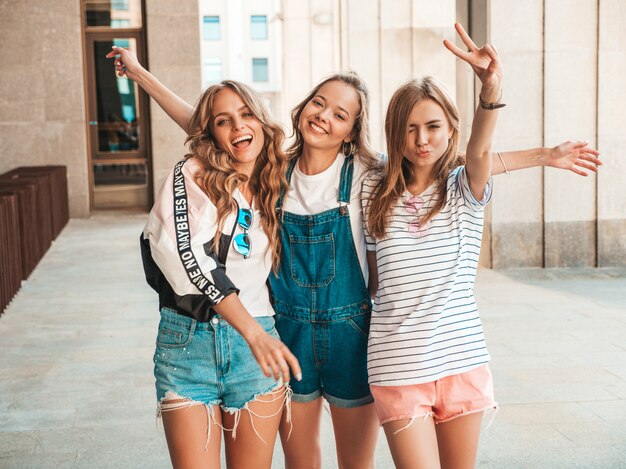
(241, 139)
(318, 129)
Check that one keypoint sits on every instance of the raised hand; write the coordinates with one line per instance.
(574, 156)
(126, 63)
(484, 61)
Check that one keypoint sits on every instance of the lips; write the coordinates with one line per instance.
(317, 129)
(242, 142)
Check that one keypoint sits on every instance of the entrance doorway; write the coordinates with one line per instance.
(119, 144)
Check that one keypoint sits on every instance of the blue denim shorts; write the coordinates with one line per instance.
(333, 357)
(208, 362)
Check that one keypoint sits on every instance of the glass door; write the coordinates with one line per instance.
(118, 120)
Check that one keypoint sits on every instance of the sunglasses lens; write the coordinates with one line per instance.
(241, 242)
(244, 218)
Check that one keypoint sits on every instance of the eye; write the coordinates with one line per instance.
(317, 102)
(221, 122)
(434, 126)
(341, 117)
(247, 115)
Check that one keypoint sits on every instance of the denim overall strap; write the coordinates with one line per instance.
(290, 167)
(320, 277)
(345, 182)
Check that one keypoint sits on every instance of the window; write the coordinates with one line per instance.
(119, 5)
(259, 70)
(258, 27)
(212, 70)
(120, 23)
(211, 29)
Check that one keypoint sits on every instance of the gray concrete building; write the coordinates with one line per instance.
(563, 60)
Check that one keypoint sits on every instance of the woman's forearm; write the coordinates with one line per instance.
(179, 110)
(520, 159)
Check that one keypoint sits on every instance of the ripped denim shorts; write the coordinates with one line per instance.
(208, 362)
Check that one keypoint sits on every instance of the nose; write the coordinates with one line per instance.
(422, 137)
(323, 114)
(237, 123)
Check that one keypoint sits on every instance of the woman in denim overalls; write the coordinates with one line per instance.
(320, 294)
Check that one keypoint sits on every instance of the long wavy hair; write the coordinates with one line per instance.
(219, 178)
(360, 132)
(397, 172)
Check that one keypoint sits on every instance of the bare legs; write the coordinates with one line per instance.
(356, 433)
(458, 441)
(449, 445)
(186, 434)
(261, 420)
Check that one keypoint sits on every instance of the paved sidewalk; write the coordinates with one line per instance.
(76, 344)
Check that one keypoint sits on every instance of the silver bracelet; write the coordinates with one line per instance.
(506, 171)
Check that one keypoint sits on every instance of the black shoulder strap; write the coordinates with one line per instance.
(183, 238)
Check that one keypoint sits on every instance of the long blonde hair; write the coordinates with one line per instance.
(397, 173)
(219, 178)
(360, 132)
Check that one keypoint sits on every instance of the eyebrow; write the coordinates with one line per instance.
(225, 113)
(340, 108)
(434, 121)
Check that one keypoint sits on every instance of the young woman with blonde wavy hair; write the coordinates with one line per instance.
(208, 246)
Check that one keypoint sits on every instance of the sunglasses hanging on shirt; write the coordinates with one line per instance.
(241, 241)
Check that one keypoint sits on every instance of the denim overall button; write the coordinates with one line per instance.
(215, 321)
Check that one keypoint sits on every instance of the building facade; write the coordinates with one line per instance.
(564, 71)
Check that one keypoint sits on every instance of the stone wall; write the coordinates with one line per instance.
(173, 38)
(42, 98)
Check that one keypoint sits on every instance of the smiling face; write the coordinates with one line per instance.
(327, 120)
(427, 134)
(236, 130)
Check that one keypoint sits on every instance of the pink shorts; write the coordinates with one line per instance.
(444, 399)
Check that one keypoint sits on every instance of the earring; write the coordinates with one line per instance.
(348, 148)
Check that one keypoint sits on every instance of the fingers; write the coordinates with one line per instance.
(588, 166)
(578, 171)
(293, 363)
(591, 159)
(495, 60)
(277, 367)
(282, 369)
(465, 37)
(115, 50)
(461, 54)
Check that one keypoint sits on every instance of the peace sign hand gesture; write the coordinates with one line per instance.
(484, 61)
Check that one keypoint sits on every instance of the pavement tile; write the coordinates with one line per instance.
(609, 410)
(545, 413)
(76, 370)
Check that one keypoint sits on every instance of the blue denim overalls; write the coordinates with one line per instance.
(321, 301)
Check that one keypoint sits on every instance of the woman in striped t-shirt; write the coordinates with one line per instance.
(427, 360)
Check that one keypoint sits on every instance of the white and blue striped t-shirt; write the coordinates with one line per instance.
(425, 323)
